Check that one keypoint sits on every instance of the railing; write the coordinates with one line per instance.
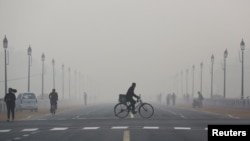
(228, 103)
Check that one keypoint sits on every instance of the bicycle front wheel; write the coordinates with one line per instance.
(121, 110)
(146, 110)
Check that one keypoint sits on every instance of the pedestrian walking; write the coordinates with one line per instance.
(173, 98)
(168, 98)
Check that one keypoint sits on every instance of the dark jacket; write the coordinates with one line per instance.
(53, 96)
(200, 96)
(10, 98)
(130, 93)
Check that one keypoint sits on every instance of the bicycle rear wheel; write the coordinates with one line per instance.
(146, 110)
(53, 109)
(121, 110)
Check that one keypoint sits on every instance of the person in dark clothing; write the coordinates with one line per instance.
(129, 96)
(10, 99)
(173, 98)
(200, 96)
(168, 99)
(198, 101)
(53, 96)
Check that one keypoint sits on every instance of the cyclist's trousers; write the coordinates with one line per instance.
(132, 103)
(53, 102)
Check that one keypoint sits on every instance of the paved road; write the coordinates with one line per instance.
(98, 123)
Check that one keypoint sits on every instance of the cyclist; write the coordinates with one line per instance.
(53, 96)
(129, 97)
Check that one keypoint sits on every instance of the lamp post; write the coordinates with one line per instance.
(79, 85)
(212, 71)
(187, 82)
(193, 82)
(53, 65)
(242, 46)
(69, 81)
(29, 51)
(75, 94)
(201, 65)
(42, 58)
(5, 46)
(63, 80)
(182, 83)
(225, 58)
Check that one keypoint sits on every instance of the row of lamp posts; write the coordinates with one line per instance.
(29, 52)
(242, 47)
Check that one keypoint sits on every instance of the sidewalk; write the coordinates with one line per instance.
(233, 112)
(26, 114)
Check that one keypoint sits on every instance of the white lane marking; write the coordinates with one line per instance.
(3, 131)
(34, 132)
(26, 135)
(119, 127)
(90, 128)
(31, 129)
(126, 136)
(17, 138)
(231, 116)
(151, 127)
(182, 128)
(58, 129)
(182, 116)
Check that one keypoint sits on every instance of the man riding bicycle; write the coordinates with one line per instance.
(53, 96)
(129, 97)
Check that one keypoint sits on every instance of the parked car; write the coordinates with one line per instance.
(26, 101)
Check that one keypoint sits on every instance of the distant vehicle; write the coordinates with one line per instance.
(26, 101)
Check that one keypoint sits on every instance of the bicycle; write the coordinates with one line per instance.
(123, 108)
(53, 108)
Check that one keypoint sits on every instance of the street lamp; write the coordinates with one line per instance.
(242, 46)
(5, 46)
(63, 80)
(225, 57)
(79, 85)
(69, 81)
(212, 71)
(42, 58)
(182, 83)
(53, 65)
(75, 94)
(201, 77)
(193, 81)
(187, 83)
(29, 51)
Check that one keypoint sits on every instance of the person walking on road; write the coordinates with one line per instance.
(10, 99)
(173, 98)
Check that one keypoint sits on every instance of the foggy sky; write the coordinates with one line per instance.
(113, 43)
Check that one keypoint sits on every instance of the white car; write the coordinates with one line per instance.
(26, 101)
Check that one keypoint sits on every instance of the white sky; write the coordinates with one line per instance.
(114, 43)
